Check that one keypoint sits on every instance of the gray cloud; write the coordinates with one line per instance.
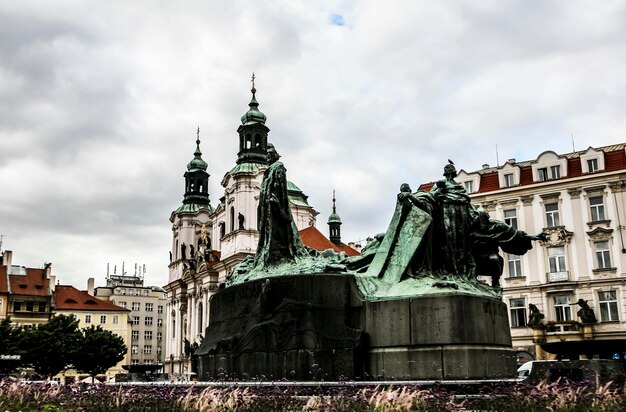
(99, 104)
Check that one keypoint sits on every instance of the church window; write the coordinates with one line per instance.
(248, 141)
(200, 317)
(232, 218)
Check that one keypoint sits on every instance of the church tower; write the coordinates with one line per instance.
(334, 225)
(197, 178)
(253, 133)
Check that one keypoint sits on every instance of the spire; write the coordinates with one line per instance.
(197, 178)
(253, 115)
(334, 223)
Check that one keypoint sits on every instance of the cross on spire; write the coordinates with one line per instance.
(253, 88)
(334, 208)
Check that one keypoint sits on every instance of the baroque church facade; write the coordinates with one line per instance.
(208, 242)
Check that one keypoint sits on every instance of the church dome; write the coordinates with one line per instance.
(197, 162)
(334, 218)
(253, 115)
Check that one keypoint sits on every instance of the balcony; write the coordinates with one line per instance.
(558, 276)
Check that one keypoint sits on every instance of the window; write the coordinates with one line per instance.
(552, 215)
(232, 218)
(592, 165)
(158, 350)
(136, 305)
(160, 309)
(17, 306)
(122, 304)
(469, 186)
(508, 180)
(555, 171)
(87, 318)
(134, 361)
(147, 335)
(518, 312)
(159, 322)
(134, 320)
(515, 265)
(562, 308)
(103, 319)
(159, 336)
(603, 255)
(556, 258)
(542, 174)
(608, 306)
(149, 307)
(116, 319)
(148, 321)
(147, 349)
(510, 218)
(134, 349)
(147, 362)
(42, 307)
(135, 334)
(30, 306)
(596, 205)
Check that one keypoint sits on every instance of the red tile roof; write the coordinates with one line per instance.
(70, 298)
(314, 239)
(34, 283)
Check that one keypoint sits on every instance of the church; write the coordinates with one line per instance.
(208, 242)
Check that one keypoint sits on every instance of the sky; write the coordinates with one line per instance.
(100, 102)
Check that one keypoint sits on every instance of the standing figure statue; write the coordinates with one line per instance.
(441, 236)
(183, 251)
(279, 240)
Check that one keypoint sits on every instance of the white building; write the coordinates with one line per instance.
(578, 200)
(146, 318)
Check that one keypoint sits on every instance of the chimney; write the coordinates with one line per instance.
(7, 257)
(486, 166)
(90, 283)
(511, 161)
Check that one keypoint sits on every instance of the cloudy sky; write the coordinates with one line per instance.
(100, 101)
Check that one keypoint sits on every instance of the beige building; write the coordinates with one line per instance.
(146, 317)
(89, 311)
(578, 200)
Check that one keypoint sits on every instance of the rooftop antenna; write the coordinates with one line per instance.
(1, 236)
(497, 157)
(573, 148)
(107, 269)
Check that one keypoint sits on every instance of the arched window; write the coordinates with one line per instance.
(176, 251)
(200, 317)
(232, 218)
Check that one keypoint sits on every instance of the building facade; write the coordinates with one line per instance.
(25, 294)
(146, 318)
(208, 242)
(89, 311)
(578, 200)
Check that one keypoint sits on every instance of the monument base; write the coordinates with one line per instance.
(307, 327)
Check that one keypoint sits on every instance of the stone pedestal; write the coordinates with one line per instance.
(319, 327)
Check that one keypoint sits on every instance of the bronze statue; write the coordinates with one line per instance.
(279, 240)
(535, 318)
(585, 313)
(439, 235)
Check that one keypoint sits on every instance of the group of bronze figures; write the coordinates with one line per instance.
(436, 234)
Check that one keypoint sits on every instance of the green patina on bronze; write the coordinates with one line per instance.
(437, 243)
(280, 250)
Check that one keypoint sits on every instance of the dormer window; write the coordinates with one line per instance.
(542, 174)
(508, 180)
(555, 171)
(592, 165)
(469, 186)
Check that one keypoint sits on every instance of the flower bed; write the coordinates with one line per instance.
(559, 396)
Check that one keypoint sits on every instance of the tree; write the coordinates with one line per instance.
(10, 337)
(99, 350)
(50, 347)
